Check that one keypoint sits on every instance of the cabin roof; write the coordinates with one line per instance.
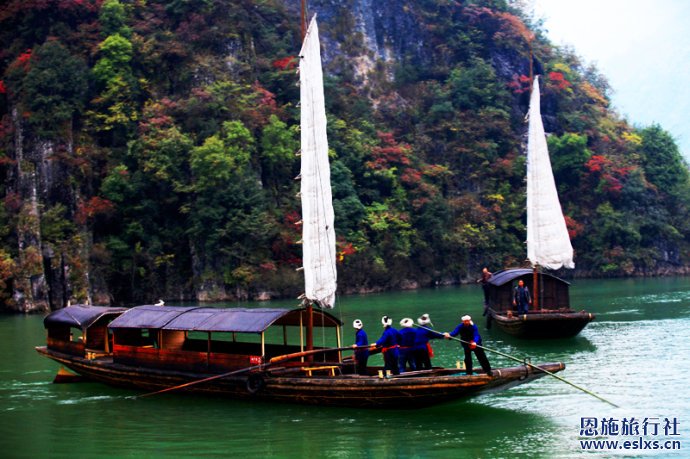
(204, 319)
(80, 315)
(508, 275)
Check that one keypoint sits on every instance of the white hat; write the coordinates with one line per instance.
(466, 317)
(357, 324)
(386, 321)
(407, 322)
(424, 319)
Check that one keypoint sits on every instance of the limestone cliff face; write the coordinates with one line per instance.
(364, 32)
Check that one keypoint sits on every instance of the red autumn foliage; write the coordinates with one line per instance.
(558, 80)
(520, 84)
(597, 162)
(346, 249)
(611, 177)
(3, 89)
(285, 63)
(390, 154)
(22, 62)
(91, 208)
(268, 266)
(574, 227)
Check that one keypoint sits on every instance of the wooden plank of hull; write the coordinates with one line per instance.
(350, 390)
(542, 325)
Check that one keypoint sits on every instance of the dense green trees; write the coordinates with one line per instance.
(160, 141)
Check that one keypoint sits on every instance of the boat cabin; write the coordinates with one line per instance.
(81, 330)
(552, 291)
(206, 339)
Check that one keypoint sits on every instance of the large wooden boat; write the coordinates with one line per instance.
(548, 247)
(554, 318)
(247, 354)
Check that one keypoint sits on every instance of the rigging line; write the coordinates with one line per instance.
(530, 365)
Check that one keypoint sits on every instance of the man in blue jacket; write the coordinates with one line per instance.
(423, 351)
(407, 339)
(389, 342)
(471, 342)
(361, 355)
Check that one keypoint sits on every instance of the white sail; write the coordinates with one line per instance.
(548, 243)
(318, 236)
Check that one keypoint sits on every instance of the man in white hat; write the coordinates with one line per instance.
(471, 342)
(389, 344)
(361, 355)
(407, 339)
(423, 351)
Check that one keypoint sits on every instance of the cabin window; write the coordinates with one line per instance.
(136, 337)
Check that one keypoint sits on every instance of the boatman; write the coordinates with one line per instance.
(407, 339)
(389, 344)
(424, 333)
(471, 342)
(361, 355)
(484, 280)
(521, 297)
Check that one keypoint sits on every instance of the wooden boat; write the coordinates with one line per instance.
(548, 247)
(153, 348)
(262, 354)
(554, 319)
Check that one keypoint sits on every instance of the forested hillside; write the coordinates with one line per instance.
(148, 150)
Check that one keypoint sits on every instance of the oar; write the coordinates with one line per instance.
(528, 364)
(279, 358)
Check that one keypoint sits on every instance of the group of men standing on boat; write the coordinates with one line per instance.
(408, 349)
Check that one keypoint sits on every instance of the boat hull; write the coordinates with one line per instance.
(417, 390)
(541, 325)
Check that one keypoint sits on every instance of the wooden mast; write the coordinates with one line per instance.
(535, 271)
(310, 306)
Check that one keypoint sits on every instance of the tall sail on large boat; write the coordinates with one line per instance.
(318, 232)
(548, 243)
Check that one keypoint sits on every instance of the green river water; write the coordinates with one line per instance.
(636, 354)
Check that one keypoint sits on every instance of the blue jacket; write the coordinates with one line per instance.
(408, 336)
(467, 333)
(423, 336)
(390, 337)
(361, 339)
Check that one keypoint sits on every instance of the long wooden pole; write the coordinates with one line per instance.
(303, 19)
(261, 366)
(530, 365)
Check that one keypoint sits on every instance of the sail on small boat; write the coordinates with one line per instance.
(548, 246)
(215, 350)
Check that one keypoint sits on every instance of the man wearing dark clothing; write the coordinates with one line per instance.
(407, 339)
(471, 342)
(521, 298)
(389, 342)
(484, 280)
(361, 355)
(422, 347)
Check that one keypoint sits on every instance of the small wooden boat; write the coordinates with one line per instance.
(548, 247)
(246, 354)
(554, 319)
